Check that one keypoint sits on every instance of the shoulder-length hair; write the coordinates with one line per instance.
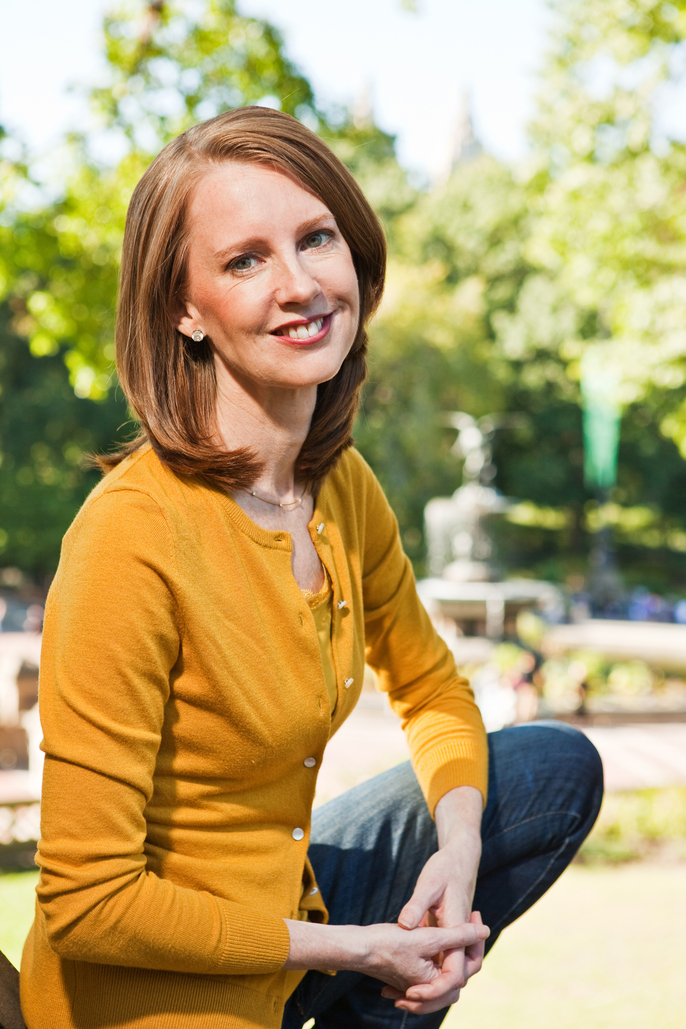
(168, 379)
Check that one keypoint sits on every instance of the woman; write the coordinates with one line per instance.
(206, 633)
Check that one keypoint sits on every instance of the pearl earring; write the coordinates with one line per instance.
(198, 336)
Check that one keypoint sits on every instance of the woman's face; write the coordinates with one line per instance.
(271, 280)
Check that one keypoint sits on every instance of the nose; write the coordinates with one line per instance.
(294, 282)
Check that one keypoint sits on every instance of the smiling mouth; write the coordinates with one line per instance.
(305, 332)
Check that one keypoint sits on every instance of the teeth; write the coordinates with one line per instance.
(305, 331)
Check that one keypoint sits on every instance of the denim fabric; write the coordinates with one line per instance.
(369, 846)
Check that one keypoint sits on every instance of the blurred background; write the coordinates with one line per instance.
(525, 409)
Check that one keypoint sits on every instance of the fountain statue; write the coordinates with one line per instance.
(459, 546)
(465, 593)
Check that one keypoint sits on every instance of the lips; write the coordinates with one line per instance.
(303, 333)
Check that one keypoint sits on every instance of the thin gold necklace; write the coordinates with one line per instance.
(274, 503)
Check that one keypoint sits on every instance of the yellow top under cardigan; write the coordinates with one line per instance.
(183, 698)
(321, 606)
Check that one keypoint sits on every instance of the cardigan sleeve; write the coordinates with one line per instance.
(445, 732)
(112, 638)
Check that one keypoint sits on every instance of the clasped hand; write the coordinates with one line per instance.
(438, 942)
(426, 967)
(442, 898)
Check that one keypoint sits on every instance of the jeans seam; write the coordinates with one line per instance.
(525, 821)
(533, 885)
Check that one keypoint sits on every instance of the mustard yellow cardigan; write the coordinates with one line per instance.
(183, 700)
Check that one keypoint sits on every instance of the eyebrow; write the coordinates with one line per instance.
(255, 242)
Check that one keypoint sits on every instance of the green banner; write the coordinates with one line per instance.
(602, 415)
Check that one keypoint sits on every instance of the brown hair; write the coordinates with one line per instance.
(170, 381)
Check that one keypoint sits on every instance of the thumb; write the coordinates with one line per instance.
(417, 906)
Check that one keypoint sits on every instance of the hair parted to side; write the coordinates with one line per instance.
(170, 380)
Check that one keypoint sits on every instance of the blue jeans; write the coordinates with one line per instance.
(369, 846)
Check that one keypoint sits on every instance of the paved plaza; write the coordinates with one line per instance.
(634, 757)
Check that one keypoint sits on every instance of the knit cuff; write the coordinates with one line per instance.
(448, 767)
(256, 945)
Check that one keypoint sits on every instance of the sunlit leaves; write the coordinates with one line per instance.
(173, 63)
(609, 226)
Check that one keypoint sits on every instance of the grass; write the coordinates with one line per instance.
(638, 824)
(17, 899)
(605, 948)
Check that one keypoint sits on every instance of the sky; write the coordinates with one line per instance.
(417, 66)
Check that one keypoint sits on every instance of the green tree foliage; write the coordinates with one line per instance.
(607, 248)
(502, 282)
(608, 240)
(173, 64)
(45, 430)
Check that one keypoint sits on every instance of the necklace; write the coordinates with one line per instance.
(285, 503)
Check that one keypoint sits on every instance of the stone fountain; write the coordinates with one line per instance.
(465, 595)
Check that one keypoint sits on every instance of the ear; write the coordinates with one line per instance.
(184, 316)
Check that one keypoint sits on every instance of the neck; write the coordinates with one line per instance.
(272, 423)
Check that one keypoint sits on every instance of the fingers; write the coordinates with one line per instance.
(391, 993)
(443, 991)
(407, 966)
(419, 1007)
(452, 978)
(425, 896)
(427, 1007)
(474, 959)
(457, 967)
(455, 972)
(458, 937)
(474, 955)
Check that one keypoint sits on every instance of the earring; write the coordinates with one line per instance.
(198, 336)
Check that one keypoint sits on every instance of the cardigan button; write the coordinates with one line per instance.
(348, 683)
(320, 528)
(310, 762)
(315, 889)
(342, 603)
(297, 834)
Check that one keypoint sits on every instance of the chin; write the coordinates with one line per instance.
(314, 373)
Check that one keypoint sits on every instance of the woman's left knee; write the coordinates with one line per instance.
(577, 757)
(556, 749)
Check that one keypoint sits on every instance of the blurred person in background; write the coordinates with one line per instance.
(206, 634)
